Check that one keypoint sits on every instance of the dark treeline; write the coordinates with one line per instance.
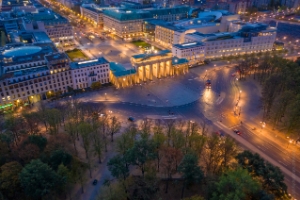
(43, 154)
(280, 80)
(158, 155)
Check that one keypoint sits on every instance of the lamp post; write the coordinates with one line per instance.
(290, 141)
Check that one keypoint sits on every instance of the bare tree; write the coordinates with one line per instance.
(204, 128)
(145, 128)
(170, 123)
(104, 128)
(71, 130)
(170, 159)
(114, 126)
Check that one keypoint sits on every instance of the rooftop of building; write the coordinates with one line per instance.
(29, 71)
(255, 27)
(179, 61)
(188, 45)
(119, 70)
(169, 11)
(88, 63)
(156, 22)
(144, 55)
(173, 27)
(188, 24)
(20, 53)
(56, 56)
(47, 16)
(215, 36)
(15, 3)
(29, 37)
(135, 5)
(217, 14)
(134, 14)
(123, 14)
(96, 8)
(203, 20)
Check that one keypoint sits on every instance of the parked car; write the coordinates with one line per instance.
(220, 133)
(131, 119)
(95, 182)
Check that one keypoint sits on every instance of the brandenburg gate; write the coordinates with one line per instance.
(148, 67)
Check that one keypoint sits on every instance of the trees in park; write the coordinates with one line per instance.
(170, 159)
(119, 169)
(31, 121)
(38, 179)
(235, 184)
(191, 172)
(166, 152)
(180, 148)
(142, 152)
(114, 126)
(280, 81)
(270, 177)
(10, 182)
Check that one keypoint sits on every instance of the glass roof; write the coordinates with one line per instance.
(22, 51)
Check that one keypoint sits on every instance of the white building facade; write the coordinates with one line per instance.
(30, 73)
(87, 72)
(250, 39)
(194, 51)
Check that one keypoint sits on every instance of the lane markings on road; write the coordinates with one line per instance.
(257, 150)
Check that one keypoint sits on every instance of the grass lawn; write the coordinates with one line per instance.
(140, 43)
(144, 45)
(76, 55)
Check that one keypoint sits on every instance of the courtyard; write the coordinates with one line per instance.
(76, 55)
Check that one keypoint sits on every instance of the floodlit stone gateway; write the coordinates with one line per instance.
(147, 67)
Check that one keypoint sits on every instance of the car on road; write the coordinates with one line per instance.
(208, 84)
(220, 133)
(131, 119)
(95, 182)
(236, 131)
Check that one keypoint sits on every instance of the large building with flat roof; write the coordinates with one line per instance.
(8, 5)
(169, 34)
(31, 72)
(29, 37)
(94, 12)
(251, 38)
(207, 22)
(128, 23)
(57, 27)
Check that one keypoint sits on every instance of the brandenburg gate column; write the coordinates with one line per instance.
(158, 70)
(163, 69)
(151, 71)
(144, 72)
